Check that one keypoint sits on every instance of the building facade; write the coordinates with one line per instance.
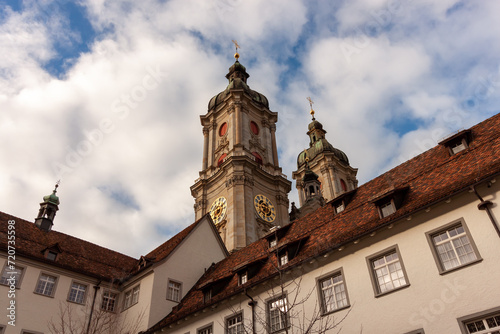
(414, 250)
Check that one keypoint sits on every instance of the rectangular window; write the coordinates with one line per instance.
(234, 325)
(283, 259)
(272, 242)
(333, 293)
(77, 293)
(243, 277)
(207, 295)
(387, 271)
(46, 285)
(11, 274)
(339, 207)
(174, 291)
(109, 301)
(452, 246)
(387, 209)
(277, 310)
(131, 297)
(483, 323)
(206, 330)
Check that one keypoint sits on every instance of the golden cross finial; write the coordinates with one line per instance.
(236, 55)
(311, 102)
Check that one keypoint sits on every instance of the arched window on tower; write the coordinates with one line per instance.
(343, 185)
(258, 158)
(311, 190)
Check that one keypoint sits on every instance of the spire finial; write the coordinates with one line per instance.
(236, 55)
(311, 102)
(57, 185)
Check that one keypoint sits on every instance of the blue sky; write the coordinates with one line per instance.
(107, 95)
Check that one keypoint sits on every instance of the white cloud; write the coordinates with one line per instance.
(124, 117)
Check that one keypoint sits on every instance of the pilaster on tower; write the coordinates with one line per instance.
(241, 183)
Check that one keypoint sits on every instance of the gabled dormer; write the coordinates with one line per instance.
(248, 269)
(52, 252)
(458, 142)
(276, 234)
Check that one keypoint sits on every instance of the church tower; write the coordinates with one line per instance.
(47, 212)
(241, 183)
(329, 164)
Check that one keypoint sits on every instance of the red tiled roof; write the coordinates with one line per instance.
(430, 177)
(79, 255)
(76, 254)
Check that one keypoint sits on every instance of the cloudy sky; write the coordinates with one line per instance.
(106, 95)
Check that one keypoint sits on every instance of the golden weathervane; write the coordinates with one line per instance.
(311, 102)
(236, 55)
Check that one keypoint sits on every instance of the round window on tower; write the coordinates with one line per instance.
(223, 129)
(254, 127)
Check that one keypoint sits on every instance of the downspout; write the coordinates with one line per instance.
(485, 205)
(96, 288)
(252, 303)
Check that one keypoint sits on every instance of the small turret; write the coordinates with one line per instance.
(47, 212)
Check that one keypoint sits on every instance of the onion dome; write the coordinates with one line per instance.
(237, 77)
(52, 198)
(319, 144)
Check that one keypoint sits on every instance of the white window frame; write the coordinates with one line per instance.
(131, 297)
(463, 322)
(283, 259)
(77, 293)
(44, 276)
(173, 291)
(392, 268)
(7, 273)
(207, 329)
(452, 248)
(334, 290)
(387, 208)
(109, 298)
(234, 324)
(277, 308)
(243, 278)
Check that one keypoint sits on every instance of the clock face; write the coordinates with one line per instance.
(218, 210)
(264, 207)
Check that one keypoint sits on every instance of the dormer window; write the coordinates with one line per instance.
(207, 295)
(390, 201)
(339, 207)
(51, 255)
(283, 259)
(457, 142)
(243, 278)
(387, 209)
(272, 242)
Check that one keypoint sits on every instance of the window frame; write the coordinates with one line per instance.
(132, 292)
(475, 317)
(269, 309)
(231, 317)
(6, 270)
(319, 289)
(371, 259)
(203, 328)
(243, 277)
(84, 299)
(431, 234)
(170, 297)
(54, 288)
(389, 202)
(115, 304)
